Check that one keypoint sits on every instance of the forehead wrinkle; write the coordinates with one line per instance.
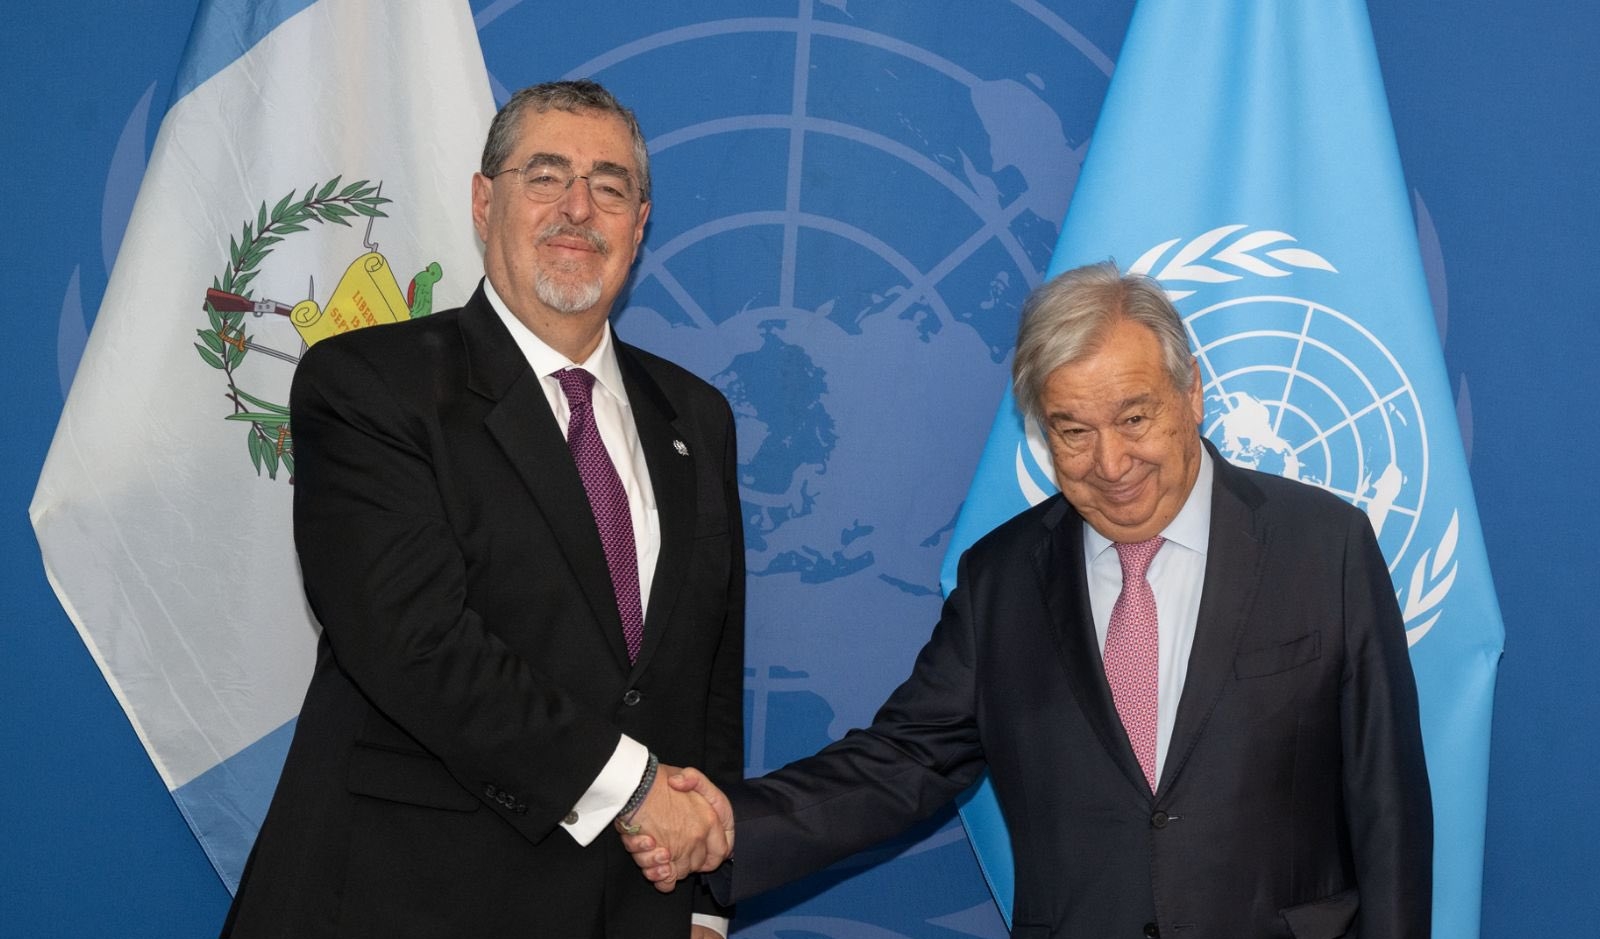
(564, 163)
(1142, 399)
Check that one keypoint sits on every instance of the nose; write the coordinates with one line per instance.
(1111, 459)
(576, 202)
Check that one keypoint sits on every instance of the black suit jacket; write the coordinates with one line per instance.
(1293, 801)
(472, 679)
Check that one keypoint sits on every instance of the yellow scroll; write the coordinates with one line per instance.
(367, 295)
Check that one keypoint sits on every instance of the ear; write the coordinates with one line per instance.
(482, 203)
(1197, 398)
(638, 228)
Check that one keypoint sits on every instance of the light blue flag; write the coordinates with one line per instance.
(1245, 158)
(311, 175)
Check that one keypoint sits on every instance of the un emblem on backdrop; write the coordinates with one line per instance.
(850, 206)
(851, 202)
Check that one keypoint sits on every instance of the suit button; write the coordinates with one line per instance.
(571, 819)
(1158, 820)
(1152, 931)
(632, 697)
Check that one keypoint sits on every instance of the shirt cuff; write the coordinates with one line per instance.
(609, 792)
(718, 924)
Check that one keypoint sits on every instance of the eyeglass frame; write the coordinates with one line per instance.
(550, 161)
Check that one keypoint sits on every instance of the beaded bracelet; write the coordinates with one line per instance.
(625, 817)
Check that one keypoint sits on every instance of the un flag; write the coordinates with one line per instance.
(1245, 158)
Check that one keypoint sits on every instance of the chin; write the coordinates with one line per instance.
(568, 298)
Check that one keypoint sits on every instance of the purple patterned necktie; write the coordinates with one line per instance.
(608, 500)
(1132, 656)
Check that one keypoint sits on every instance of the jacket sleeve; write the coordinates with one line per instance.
(725, 702)
(921, 750)
(386, 578)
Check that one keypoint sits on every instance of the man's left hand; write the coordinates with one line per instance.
(687, 821)
(659, 862)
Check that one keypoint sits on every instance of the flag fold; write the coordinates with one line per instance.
(312, 174)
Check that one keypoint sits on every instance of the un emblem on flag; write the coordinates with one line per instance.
(1300, 389)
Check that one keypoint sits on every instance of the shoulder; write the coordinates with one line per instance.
(404, 341)
(1300, 521)
(393, 360)
(1020, 537)
(398, 347)
(1281, 497)
(683, 391)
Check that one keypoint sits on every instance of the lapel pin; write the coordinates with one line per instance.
(681, 447)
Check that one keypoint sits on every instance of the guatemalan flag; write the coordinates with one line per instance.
(1245, 158)
(312, 175)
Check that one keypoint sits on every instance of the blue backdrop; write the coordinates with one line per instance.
(852, 199)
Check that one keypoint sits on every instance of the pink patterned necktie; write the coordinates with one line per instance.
(1132, 656)
(607, 499)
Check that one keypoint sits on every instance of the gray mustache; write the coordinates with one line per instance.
(594, 238)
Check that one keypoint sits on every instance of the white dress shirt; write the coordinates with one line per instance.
(613, 417)
(1176, 576)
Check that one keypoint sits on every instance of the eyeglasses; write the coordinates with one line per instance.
(611, 188)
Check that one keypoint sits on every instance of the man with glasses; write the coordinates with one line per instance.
(522, 539)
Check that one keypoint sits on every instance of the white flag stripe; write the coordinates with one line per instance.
(171, 554)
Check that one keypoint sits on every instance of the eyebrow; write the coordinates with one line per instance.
(1121, 406)
(601, 168)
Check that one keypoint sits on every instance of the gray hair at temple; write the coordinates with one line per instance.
(1066, 317)
(575, 97)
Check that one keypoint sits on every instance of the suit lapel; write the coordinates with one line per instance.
(1235, 553)
(672, 478)
(1060, 567)
(520, 421)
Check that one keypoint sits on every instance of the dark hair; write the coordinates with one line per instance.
(575, 96)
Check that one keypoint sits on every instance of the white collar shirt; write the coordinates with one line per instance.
(1176, 577)
(613, 417)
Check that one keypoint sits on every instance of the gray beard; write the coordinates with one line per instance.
(566, 297)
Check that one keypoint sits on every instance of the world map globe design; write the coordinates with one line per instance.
(1296, 388)
(850, 206)
(851, 202)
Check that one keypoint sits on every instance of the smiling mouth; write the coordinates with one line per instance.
(1125, 494)
(569, 244)
(573, 238)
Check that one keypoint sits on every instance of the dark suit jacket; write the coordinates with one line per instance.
(472, 679)
(1293, 801)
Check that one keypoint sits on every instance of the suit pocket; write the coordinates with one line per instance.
(1328, 918)
(412, 778)
(1258, 663)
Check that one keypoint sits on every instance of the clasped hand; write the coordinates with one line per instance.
(685, 825)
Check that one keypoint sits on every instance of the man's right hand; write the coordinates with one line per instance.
(688, 828)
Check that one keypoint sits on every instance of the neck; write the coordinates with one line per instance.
(575, 336)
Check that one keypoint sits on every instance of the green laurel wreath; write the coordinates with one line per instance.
(225, 344)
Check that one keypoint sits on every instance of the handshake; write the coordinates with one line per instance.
(683, 826)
